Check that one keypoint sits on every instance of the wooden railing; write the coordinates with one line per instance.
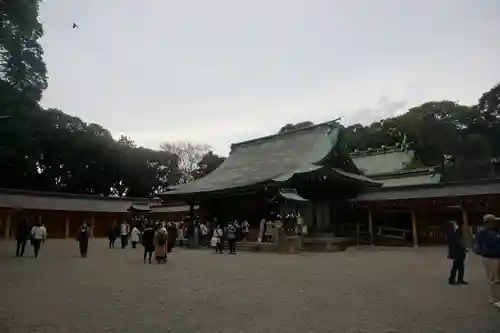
(432, 235)
(393, 233)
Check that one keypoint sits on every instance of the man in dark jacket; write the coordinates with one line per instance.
(456, 252)
(171, 235)
(148, 236)
(22, 235)
(487, 245)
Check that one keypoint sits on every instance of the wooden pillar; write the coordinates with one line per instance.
(66, 226)
(191, 212)
(92, 224)
(370, 227)
(357, 232)
(465, 228)
(414, 228)
(7, 227)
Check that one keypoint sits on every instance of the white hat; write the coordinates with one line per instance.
(490, 218)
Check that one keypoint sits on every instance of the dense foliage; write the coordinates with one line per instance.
(48, 150)
(463, 140)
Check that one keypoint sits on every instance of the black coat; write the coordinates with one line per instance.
(456, 247)
(148, 237)
(22, 230)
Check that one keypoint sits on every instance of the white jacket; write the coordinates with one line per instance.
(39, 232)
(135, 235)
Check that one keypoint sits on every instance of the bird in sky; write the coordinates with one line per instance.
(75, 26)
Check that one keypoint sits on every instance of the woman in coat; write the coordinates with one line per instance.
(135, 236)
(161, 239)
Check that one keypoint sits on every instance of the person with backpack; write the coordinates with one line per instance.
(161, 237)
(487, 245)
(83, 239)
(456, 252)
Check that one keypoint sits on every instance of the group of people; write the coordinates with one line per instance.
(156, 237)
(486, 244)
(36, 234)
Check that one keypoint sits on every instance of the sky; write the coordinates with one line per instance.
(223, 71)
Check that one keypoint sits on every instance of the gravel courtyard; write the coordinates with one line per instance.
(360, 290)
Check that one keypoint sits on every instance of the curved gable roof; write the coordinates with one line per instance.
(267, 158)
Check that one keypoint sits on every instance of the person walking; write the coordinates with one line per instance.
(456, 252)
(22, 235)
(245, 230)
(83, 239)
(135, 236)
(237, 226)
(161, 244)
(231, 233)
(172, 236)
(216, 241)
(204, 234)
(124, 232)
(112, 236)
(148, 241)
(38, 235)
(487, 245)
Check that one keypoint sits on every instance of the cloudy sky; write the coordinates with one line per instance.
(223, 71)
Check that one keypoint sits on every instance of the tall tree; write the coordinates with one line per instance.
(21, 63)
(290, 127)
(208, 163)
(189, 154)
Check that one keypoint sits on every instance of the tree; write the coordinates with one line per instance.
(189, 156)
(290, 127)
(126, 141)
(21, 63)
(489, 110)
(208, 163)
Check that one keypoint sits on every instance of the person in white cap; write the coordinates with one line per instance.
(487, 245)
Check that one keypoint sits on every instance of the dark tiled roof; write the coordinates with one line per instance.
(291, 194)
(443, 190)
(269, 159)
(67, 202)
(171, 209)
(391, 161)
(140, 207)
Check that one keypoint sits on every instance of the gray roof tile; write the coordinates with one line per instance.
(66, 202)
(266, 159)
(383, 162)
(442, 190)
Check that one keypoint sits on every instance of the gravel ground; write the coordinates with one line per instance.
(360, 290)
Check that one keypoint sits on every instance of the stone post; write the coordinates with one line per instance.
(414, 228)
(370, 227)
(465, 228)
(66, 226)
(92, 224)
(357, 232)
(7, 227)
